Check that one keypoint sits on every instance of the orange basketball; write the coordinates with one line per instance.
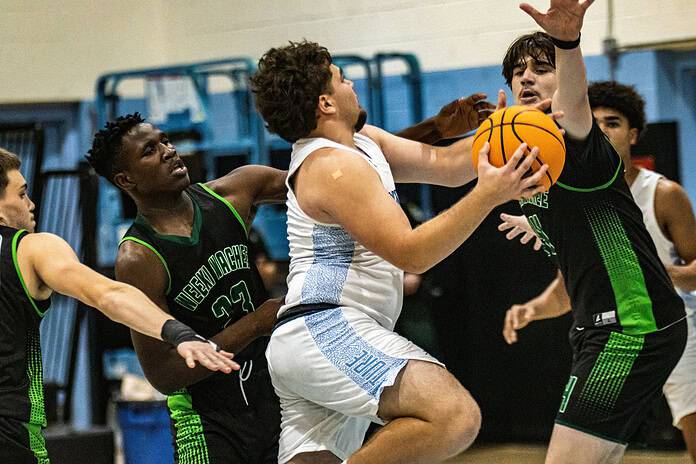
(506, 129)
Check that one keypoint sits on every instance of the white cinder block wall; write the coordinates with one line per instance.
(55, 50)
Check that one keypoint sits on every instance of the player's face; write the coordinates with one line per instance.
(16, 208)
(347, 99)
(533, 81)
(152, 164)
(618, 129)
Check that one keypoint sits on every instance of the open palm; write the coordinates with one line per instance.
(563, 19)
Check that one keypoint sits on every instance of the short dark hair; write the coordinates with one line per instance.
(619, 97)
(287, 87)
(537, 45)
(105, 156)
(8, 162)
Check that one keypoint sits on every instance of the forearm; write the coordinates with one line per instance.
(683, 277)
(129, 306)
(425, 131)
(433, 241)
(457, 166)
(553, 301)
(169, 374)
(571, 94)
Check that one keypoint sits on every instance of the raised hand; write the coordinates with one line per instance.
(462, 115)
(518, 225)
(563, 19)
(207, 355)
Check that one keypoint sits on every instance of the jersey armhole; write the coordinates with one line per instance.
(15, 260)
(129, 238)
(226, 203)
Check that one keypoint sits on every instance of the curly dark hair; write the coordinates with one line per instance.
(619, 97)
(105, 156)
(537, 45)
(287, 86)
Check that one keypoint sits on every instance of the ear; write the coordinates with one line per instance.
(326, 105)
(633, 133)
(123, 182)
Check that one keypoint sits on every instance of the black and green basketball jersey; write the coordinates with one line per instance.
(212, 283)
(21, 376)
(591, 227)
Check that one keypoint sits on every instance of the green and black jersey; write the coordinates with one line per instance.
(21, 377)
(213, 282)
(591, 227)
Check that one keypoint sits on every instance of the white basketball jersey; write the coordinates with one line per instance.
(643, 191)
(326, 264)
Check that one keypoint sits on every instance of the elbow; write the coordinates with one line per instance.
(414, 264)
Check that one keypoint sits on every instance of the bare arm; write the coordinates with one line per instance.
(415, 162)
(454, 119)
(122, 303)
(334, 186)
(552, 302)
(563, 21)
(140, 267)
(249, 186)
(676, 218)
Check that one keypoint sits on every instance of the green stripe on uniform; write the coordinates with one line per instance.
(19, 273)
(191, 447)
(37, 443)
(609, 373)
(228, 204)
(633, 304)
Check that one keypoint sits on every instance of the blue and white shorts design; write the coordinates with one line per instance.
(329, 370)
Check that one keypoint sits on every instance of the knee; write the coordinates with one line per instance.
(460, 424)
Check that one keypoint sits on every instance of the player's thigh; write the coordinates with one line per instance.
(427, 391)
(566, 441)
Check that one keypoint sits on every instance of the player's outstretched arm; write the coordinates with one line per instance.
(563, 21)
(676, 217)
(454, 119)
(334, 186)
(47, 262)
(552, 302)
(249, 186)
(141, 268)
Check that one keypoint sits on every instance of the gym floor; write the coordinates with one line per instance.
(534, 454)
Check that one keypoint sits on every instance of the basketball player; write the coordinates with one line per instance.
(334, 360)
(188, 251)
(629, 323)
(669, 219)
(33, 266)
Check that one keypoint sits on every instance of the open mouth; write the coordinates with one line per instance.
(528, 95)
(179, 168)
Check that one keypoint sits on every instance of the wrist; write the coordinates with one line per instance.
(566, 44)
(176, 333)
(485, 199)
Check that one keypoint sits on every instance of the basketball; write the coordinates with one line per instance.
(507, 128)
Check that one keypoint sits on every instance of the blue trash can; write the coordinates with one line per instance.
(147, 437)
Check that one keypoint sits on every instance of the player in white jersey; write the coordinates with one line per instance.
(334, 360)
(669, 219)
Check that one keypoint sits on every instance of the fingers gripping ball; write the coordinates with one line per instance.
(507, 128)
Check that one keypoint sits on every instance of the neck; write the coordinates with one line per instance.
(335, 131)
(631, 173)
(165, 209)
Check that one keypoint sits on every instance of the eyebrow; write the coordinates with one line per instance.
(340, 70)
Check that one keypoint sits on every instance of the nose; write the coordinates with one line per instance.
(169, 151)
(528, 77)
(31, 205)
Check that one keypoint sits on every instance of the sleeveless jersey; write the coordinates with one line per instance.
(591, 227)
(212, 284)
(643, 191)
(21, 376)
(327, 265)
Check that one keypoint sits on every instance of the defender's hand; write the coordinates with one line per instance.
(518, 225)
(563, 19)
(462, 115)
(207, 355)
(517, 317)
